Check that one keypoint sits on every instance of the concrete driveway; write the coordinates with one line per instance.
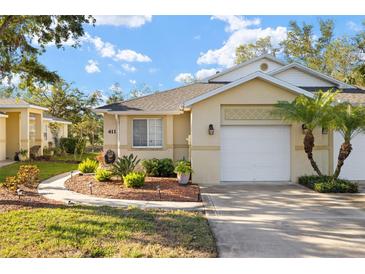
(284, 221)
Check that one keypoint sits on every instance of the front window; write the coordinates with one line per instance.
(147, 132)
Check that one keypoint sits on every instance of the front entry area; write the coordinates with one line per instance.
(255, 153)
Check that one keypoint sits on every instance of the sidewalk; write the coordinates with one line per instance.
(54, 189)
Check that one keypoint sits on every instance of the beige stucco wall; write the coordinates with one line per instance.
(205, 148)
(12, 134)
(48, 137)
(175, 128)
(2, 138)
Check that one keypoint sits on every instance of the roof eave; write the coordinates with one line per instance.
(246, 79)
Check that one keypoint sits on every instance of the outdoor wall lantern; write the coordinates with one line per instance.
(211, 129)
(304, 128)
(324, 130)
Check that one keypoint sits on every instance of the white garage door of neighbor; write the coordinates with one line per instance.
(354, 167)
(255, 153)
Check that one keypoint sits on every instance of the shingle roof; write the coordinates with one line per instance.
(169, 100)
(47, 115)
(10, 102)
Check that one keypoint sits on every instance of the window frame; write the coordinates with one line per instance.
(148, 133)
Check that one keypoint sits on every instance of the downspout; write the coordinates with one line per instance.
(118, 134)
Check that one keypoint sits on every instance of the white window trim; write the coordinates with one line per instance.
(148, 133)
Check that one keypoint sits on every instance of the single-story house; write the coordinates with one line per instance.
(48, 138)
(223, 125)
(24, 125)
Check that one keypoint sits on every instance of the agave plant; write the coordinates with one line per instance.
(312, 113)
(125, 165)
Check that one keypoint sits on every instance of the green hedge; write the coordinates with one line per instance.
(159, 167)
(69, 144)
(326, 184)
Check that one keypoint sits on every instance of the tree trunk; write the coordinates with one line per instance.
(345, 151)
(308, 148)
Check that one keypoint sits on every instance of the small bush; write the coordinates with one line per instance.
(134, 179)
(69, 144)
(103, 175)
(125, 165)
(326, 184)
(11, 183)
(88, 166)
(183, 167)
(159, 167)
(28, 175)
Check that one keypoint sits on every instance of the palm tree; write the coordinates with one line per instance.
(348, 121)
(312, 113)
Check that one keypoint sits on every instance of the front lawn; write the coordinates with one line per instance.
(104, 232)
(71, 157)
(47, 169)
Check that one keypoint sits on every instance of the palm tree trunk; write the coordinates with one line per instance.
(308, 148)
(345, 151)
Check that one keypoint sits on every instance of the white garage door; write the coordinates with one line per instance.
(255, 153)
(354, 167)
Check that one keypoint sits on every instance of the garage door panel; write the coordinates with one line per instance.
(255, 153)
(354, 167)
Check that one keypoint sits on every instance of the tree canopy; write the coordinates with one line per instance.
(24, 38)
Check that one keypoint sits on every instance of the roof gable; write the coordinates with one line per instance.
(250, 66)
(300, 75)
(245, 79)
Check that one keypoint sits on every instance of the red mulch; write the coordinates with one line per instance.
(31, 199)
(169, 187)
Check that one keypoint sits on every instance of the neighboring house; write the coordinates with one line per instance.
(47, 134)
(248, 143)
(22, 126)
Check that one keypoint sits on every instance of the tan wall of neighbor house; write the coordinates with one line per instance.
(12, 134)
(205, 148)
(2, 138)
(176, 129)
(48, 137)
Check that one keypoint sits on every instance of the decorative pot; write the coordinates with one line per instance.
(183, 178)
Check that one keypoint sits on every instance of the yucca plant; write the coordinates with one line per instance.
(312, 113)
(125, 165)
(348, 121)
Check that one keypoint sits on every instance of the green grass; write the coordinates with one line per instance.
(71, 157)
(47, 169)
(104, 232)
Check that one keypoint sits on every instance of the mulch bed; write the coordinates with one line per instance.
(31, 199)
(169, 188)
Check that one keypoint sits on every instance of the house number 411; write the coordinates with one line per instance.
(112, 131)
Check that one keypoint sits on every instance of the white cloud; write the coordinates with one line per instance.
(184, 78)
(236, 22)
(92, 67)
(241, 34)
(204, 73)
(129, 55)
(106, 49)
(128, 68)
(197, 37)
(353, 26)
(131, 21)
(133, 82)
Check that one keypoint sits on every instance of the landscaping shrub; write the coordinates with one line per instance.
(88, 166)
(125, 165)
(103, 175)
(326, 184)
(134, 179)
(28, 175)
(11, 183)
(158, 168)
(69, 144)
(183, 167)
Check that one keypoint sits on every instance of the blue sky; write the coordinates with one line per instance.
(160, 51)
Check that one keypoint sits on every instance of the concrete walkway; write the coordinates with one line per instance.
(54, 189)
(6, 163)
(284, 221)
